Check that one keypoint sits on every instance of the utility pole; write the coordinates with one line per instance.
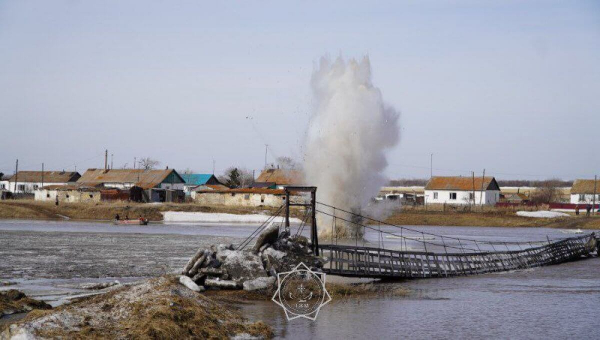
(481, 193)
(213, 166)
(111, 161)
(473, 174)
(431, 166)
(594, 198)
(105, 159)
(42, 175)
(16, 175)
(266, 147)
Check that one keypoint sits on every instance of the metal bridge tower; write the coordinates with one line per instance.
(314, 239)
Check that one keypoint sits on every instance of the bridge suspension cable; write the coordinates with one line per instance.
(431, 234)
(424, 242)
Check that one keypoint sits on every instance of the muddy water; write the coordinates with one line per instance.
(50, 259)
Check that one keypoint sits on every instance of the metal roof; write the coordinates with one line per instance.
(197, 179)
(145, 179)
(585, 186)
(462, 183)
(48, 176)
(281, 176)
(211, 187)
(70, 187)
(244, 191)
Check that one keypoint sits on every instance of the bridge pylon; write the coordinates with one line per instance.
(314, 238)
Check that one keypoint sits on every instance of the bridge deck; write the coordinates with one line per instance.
(383, 263)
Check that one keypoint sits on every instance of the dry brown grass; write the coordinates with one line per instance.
(336, 290)
(158, 309)
(28, 209)
(489, 217)
(419, 215)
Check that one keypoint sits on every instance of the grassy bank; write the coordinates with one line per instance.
(488, 217)
(28, 209)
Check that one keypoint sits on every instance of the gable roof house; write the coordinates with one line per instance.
(278, 178)
(462, 190)
(193, 181)
(583, 191)
(27, 182)
(158, 185)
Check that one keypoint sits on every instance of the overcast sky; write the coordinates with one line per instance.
(512, 87)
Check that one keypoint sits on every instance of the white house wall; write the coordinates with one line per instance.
(239, 199)
(29, 187)
(584, 198)
(69, 196)
(174, 186)
(489, 197)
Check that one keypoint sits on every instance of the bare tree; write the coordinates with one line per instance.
(237, 178)
(286, 163)
(148, 163)
(546, 192)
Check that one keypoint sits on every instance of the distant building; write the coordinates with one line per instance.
(143, 185)
(515, 198)
(248, 197)
(68, 193)
(462, 190)
(4, 183)
(583, 191)
(278, 178)
(27, 182)
(192, 181)
(404, 195)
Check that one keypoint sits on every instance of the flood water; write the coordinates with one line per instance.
(48, 260)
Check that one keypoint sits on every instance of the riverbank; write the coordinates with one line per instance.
(489, 217)
(28, 209)
(153, 309)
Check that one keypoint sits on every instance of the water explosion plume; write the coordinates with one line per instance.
(349, 133)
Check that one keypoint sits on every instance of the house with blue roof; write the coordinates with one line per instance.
(193, 181)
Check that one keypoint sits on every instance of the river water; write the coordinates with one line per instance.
(48, 259)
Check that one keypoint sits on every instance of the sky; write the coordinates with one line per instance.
(512, 87)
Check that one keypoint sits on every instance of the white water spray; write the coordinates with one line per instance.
(349, 134)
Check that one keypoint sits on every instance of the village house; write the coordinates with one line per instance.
(143, 185)
(247, 197)
(27, 182)
(192, 181)
(462, 191)
(4, 183)
(583, 191)
(278, 178)
(68, 193)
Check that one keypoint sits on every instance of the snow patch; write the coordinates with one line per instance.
(542, 214)
(180, 216)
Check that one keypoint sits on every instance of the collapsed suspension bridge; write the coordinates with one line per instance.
(412, 253)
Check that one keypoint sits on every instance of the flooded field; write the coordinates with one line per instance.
(49, 260)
